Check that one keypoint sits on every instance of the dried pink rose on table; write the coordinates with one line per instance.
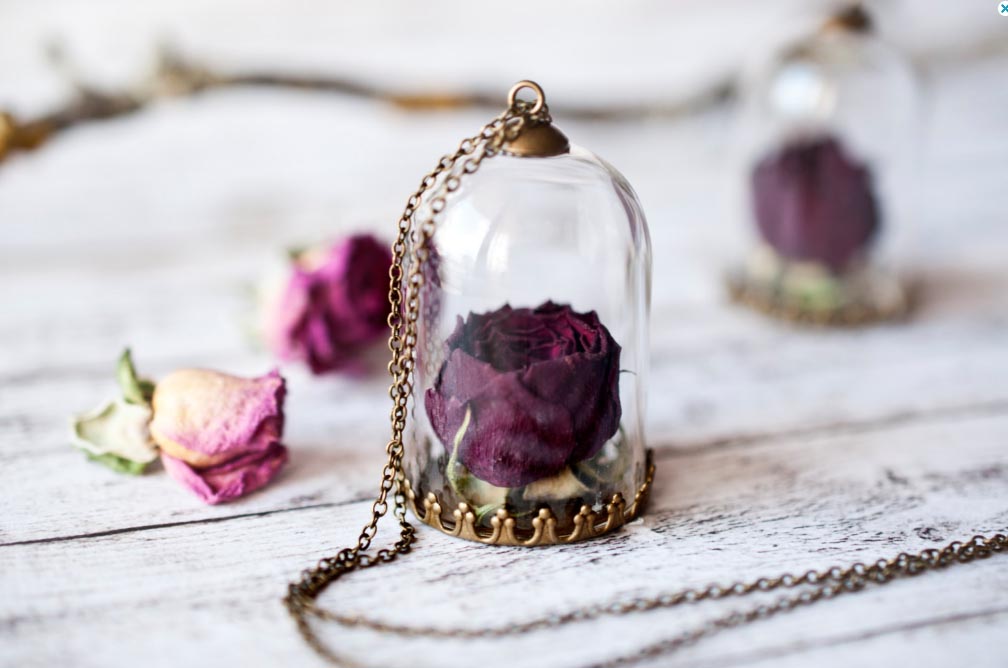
(524, 393)
(813, 201)
(219, 434)
(333, 306)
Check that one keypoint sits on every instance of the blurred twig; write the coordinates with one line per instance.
(175, 76)
(184, 77)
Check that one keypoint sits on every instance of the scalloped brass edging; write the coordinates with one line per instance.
(502, 531)
(851, 315)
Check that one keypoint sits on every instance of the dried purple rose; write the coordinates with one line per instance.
(526, 392)
(334, 305)
(814, 202)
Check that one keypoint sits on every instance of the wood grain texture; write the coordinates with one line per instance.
(777, 448)
(211, 587)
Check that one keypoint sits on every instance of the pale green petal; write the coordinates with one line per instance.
(480, 493)
(119, 429)
(135, 390)
(482, 496)
(118, 464)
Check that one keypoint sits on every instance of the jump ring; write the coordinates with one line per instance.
(540, 102)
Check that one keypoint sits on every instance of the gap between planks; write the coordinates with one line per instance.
(893, 420)
(850, 638)
(168, 525)
(662, 452)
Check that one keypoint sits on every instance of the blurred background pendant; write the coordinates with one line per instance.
(827, 141)
(527, 425)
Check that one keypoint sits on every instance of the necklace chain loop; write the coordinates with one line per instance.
(415, 230)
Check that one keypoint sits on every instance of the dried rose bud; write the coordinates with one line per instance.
(335, 304)
(525, 393)
(814, 202)
(219, 434)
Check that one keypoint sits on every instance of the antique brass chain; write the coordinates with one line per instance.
(415, 230)
(813, 585)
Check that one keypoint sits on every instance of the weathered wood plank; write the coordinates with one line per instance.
(718, 514)
(778, 449)
(176, 288)
(336, 430)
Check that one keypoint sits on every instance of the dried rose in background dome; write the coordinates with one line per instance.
(814, 202)
(828, 138)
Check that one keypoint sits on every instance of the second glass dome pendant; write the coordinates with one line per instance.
(828, 136)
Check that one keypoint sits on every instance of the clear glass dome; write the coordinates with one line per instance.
(533, 345)
(827, 147)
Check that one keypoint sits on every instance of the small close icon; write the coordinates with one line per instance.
(1003, 8)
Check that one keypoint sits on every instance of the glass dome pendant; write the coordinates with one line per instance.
(828, 135)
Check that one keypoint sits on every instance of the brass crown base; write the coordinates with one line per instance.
(503, 530)
(760, 298)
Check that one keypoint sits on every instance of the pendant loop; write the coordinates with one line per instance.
(540, 102)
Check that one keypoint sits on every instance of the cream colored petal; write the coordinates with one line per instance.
(206, 417)
(269, 297)
(563, 485)
(116, 428)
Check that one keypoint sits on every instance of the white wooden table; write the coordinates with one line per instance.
(777, 449)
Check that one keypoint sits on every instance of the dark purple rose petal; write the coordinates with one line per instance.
(541, 386)
(814, 202)
(589, 404)
(513, 437)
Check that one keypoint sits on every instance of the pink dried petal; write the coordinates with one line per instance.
(334, 305)
(232, 479)
(206, 417)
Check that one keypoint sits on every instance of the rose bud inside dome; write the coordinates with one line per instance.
(524, 393)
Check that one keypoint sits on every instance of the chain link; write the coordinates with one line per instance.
(415, 230)
(819, 586)
(814, 586)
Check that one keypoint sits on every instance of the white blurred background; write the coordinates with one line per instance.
(590, 52)
(191, 196)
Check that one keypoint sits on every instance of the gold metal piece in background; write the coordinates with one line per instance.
(852, 18)
(503, 531)
(20, 136)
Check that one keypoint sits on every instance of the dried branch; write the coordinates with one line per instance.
(177, 77)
